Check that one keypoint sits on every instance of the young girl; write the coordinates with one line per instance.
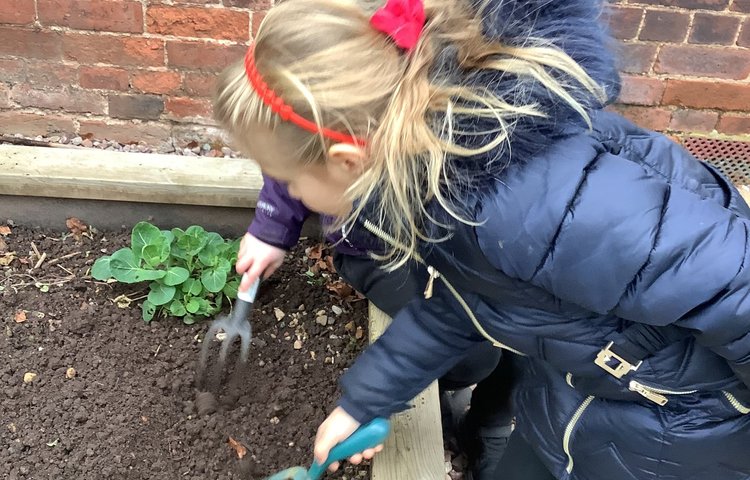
(469, 139)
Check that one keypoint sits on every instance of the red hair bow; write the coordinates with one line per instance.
(402, 20)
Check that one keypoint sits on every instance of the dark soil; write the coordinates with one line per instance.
(128, 411)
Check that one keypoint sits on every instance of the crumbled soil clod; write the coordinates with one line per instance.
(205, 403)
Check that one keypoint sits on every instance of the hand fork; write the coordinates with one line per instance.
(235, 325)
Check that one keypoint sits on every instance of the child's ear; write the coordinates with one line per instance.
(346, 159)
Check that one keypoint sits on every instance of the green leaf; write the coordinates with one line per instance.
(178, 252)
(176, 276)
(126, 268)
(101, 269)
(211, 250)
(231, 287)
(168, 236)
(196, 231)
(177, 309)
(148, 311)
(177, 233)
(161, 294)
(155, 254)
(144, 234)
(192, 287)
(188, 320)
(208, 256)
(194, 239)
(214, 279)
(214, 239)
(224, 265)
(190, 245)
(204, 306)
(213, 310)
(192, 305)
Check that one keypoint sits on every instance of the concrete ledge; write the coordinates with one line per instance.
(92, 174)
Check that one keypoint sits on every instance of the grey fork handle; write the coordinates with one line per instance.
(241, 311)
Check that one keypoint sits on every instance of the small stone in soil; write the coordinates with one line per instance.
(205, 403)
(70, 373)
(29, 377)
(297, 344)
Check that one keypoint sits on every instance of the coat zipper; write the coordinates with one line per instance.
(569, 430)
(434, 273)
(656, 394)
(736, 403)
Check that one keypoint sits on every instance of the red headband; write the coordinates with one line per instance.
(284, 111)
(402, 20)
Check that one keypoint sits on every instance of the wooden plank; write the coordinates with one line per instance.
(745, 192)
(137, 177)
(414, 450)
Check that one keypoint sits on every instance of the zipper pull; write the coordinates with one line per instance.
(431, 282)
(647, 393)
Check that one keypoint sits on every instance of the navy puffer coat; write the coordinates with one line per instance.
(599, 231)
(583, 234)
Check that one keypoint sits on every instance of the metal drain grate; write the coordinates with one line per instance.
(731, 157)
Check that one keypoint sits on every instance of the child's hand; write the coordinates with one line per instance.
(335, 429)
(258, 259)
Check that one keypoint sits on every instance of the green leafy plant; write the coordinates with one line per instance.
(190, 271)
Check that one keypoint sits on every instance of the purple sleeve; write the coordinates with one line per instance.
(278, 217)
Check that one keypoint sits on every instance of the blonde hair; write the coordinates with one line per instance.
(325, 60)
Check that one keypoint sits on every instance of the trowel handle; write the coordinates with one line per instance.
(369, 435)
(249, 294)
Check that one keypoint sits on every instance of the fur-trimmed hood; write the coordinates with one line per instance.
(576, 27)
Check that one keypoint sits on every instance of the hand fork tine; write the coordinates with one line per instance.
(234, 326)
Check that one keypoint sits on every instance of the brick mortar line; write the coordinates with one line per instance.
(128, 68)
(740, 29)
(691, 22)
(143, 15)
(675, 8)
(207, 6)
(714, 46)
(675, 76)
(691, 11)
(144, 35)
(641, 23)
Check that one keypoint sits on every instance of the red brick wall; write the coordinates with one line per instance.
(126, 70)
(143, 70)
(685, 63)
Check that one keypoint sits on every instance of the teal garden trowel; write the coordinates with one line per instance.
(367, 436)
